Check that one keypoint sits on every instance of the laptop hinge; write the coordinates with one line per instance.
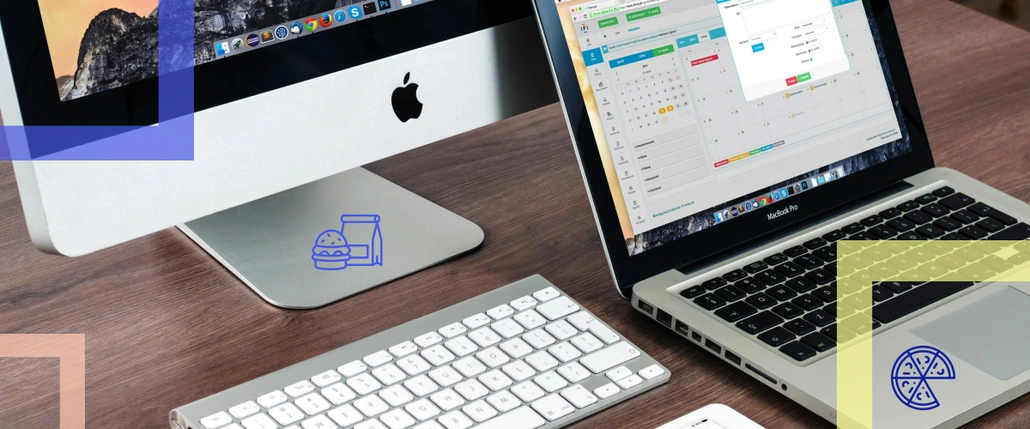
(773, 237)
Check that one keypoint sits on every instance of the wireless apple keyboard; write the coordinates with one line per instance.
(524, 356)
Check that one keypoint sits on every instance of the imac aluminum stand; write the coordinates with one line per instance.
(321, 242)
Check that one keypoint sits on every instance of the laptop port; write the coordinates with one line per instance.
(664, 318)
(732, 357)
(760, 373)
(683, 329)
(715, 347)
(696, 336)
(647, 308)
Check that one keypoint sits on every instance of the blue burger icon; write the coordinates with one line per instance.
(331, 251)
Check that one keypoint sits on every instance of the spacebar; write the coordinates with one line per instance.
(522, 418)
(922, 296)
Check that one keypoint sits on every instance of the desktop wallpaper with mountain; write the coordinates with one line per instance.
(96, 45)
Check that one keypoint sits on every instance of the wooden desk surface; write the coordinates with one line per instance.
(166, 325)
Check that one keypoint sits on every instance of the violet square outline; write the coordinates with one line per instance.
(171, 139)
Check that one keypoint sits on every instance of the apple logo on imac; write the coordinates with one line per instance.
(405, 101)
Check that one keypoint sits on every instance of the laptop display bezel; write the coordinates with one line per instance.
(744, 231)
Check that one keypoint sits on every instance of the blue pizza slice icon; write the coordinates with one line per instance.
(911, 374)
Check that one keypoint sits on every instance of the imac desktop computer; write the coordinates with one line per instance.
(290, 99)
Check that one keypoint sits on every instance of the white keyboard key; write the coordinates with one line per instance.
(236, 426)
(607, 391)
(471, 389)
(581, 320)
(578, 396)
(396, 396)
(422, 410)
(561, 330)
(397, 419)
(477, 321)
(352, 369)
(286, 414)
(586, 322)
(558, 308)
(630, 381)
(370, 424)
(495, 380)
(538, 338)
(469, 367)
(550, 381)
(313, 404)
(503, 401)
(326, 378)
(523, 303)
(493, 357)
(430, 425)
(364, 384)
(259, 421)
(618, 373)
(378, 358)
(519, 370)
(403, 349)
(610, 357)
(480, 411)
(318, 422)
(587, 343)
(553, 407)
(542, 361)
(565, 352)
(455, 420)
(389, 374)
(437, 355)
(575, 373)
(545, 295)
(530, 319)
(413, 365)
(522, 418)
(428, 339)
(216, 420)
(516, 348)
(461, 346)
(651, 372)
(501, 311)
(345, 415)
(528, 391)
(508, 328)
(485, 337)
(371, 406)
(445, 376)
(272, 399)
(447, 399)
(339, 394)
(245, 409)
(453, 330)
(299, 388)
(421, 386)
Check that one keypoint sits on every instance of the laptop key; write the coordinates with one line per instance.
(819, 318)
(883, 231)
(709, 302)
(943, 192)
(965, 216)
(800, 284)
(795, 251)
(890, 213)
(781, 293)
(918, 217)
(834, 235)
(931, 231)
(827, 254)
(854, 228)
(901, 224)
(861, 236)
(788, 310)
(911, 235)
(730, 293)
(714, 284)
(790, 269)
(692, 292)
(808, 262)
(825, 293)
(755, 267)
(770, 277)
(909, 302)
(832, 332)
(986, 210)
(1019, 231)
(735, 312)
(798, 351)
(750, 286)
(761, 301)
(814, 243)
(819, 342)
(775, 259)
(908, 206)
(819, 276)
(935, 210)
(925, 199)
(807, 302)
(881, 293)
(947, 223)
(957, 201)
(974, 232)
(734, 275)
(872, 220)
(799, 326)
(990, 225)
(777, 337)
(759, 322)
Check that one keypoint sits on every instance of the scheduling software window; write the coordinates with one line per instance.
(705, 100)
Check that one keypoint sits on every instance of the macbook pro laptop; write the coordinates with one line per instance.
(728, 145)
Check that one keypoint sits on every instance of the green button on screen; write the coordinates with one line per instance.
(804, 76)
(646, 13)
(608, 22)
(668, 49)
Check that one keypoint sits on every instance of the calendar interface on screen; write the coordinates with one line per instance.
(696, 102)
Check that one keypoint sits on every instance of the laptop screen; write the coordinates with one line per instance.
(706, 110)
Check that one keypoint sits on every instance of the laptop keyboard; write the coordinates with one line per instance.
(788, 300)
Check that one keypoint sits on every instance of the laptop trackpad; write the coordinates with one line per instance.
(991, 334)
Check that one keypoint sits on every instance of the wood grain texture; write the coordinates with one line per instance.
(166, 325)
